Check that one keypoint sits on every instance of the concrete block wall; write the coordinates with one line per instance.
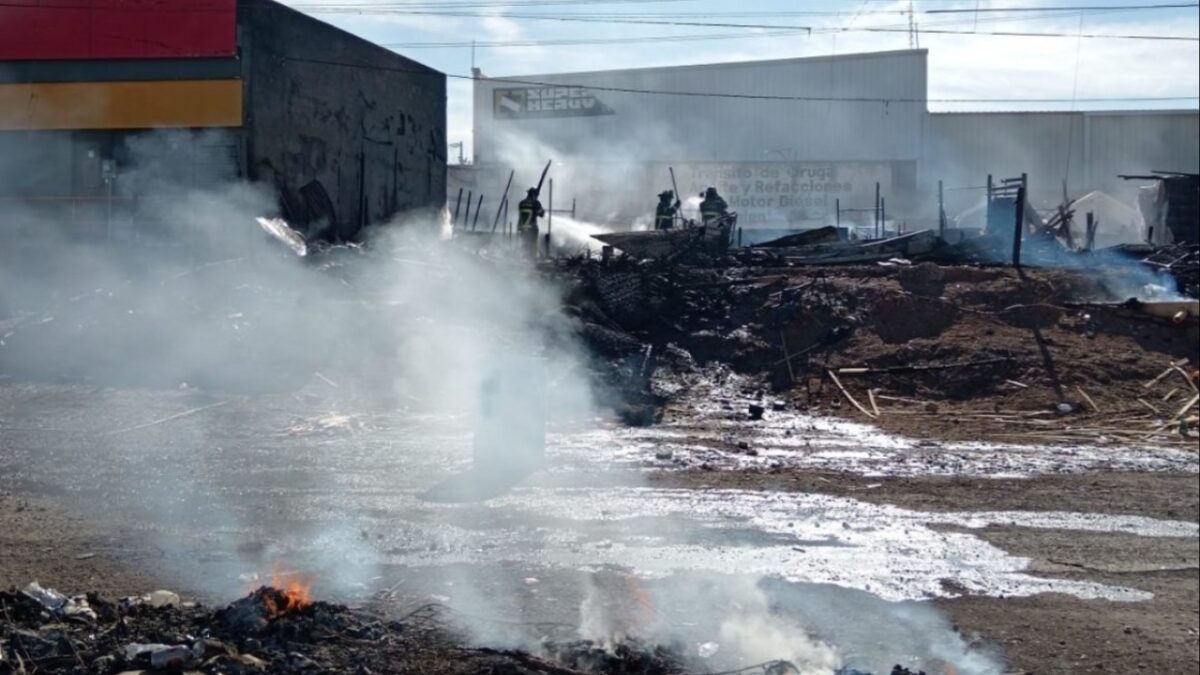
(324, 105)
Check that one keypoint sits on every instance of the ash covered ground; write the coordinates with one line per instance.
(708, 487)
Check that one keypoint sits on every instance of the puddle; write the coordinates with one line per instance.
(796, 440)
(348, 492)
(893, 553)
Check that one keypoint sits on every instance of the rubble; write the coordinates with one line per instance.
(942, 340)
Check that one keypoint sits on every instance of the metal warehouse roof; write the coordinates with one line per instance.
(726, 65)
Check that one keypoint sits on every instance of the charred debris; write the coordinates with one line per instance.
(1024, 321)
(273, 630)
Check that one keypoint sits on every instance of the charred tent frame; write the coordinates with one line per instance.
(1175, 206)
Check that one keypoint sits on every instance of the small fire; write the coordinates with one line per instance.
(294, 593)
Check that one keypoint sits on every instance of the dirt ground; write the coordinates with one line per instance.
(1046, 633)
(953, 353)
(41, 541)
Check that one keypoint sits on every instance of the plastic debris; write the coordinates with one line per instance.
(171, 657)
(47, 597)
(136, 649)
(60, 605)
(162, 598)
(278, 228)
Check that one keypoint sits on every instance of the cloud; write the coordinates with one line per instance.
(960, 66)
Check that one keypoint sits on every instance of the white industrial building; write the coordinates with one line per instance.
(789, 141)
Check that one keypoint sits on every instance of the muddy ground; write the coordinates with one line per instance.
(1048, 633)
(958, 354)
(1054, 633)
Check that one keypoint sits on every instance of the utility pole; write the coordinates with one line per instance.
(913, 40)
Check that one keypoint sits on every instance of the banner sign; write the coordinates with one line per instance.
(544, 102)
(788, 194)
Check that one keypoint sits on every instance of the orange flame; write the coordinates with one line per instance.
(295, 592)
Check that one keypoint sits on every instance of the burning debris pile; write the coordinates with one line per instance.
(285, 631)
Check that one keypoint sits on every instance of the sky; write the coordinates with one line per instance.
(524, 37)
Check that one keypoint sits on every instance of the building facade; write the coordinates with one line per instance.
(791, 143)
(99, 105)
(783, 140)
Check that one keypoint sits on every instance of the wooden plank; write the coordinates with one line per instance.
(1186, 407)
(833, 376)
(1088, 399)
(1165, 373)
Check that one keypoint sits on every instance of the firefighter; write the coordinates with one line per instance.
(664, 215)
(530, 210)
(713, 207)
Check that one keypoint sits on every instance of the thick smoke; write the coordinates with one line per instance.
(187, 294)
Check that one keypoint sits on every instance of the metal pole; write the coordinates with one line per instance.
(882, 217)
(837, 209)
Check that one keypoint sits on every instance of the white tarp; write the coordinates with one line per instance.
(1116, 222)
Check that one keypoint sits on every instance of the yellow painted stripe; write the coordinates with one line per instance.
(121, 105)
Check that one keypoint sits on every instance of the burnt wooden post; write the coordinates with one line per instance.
(1019, 227)
(877, 219)
(987, 214)
(457, 206)
(882, 217)
(941, 211)
(478, 210)
(1091, 230)
(467, 215)
(549, 217)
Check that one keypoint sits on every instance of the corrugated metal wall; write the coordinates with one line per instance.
(1088, 149)
(1133, 143)
(646, 127)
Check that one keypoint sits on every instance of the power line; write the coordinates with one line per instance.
(811, 30)
(726, 95)
(1110, 36)
(586, 41)
(792, 30)
(1081, 8)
